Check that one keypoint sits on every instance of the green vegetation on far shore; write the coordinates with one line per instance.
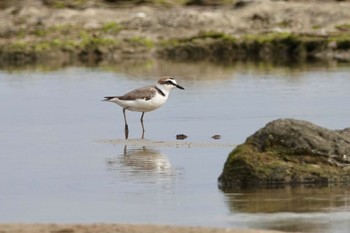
(205, 45)
(270, 46)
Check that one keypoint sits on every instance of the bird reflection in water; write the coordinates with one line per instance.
(142, 165)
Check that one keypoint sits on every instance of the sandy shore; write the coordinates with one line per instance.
(120, 228)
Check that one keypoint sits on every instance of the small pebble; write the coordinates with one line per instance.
(181, 136)
(216, 137)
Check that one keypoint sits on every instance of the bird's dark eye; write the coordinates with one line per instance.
(169, 82)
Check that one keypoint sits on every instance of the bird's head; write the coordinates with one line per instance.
(168, 83)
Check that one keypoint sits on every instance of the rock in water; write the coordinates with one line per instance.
(181, 136)
(288, 151)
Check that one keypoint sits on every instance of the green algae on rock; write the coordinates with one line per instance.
(264, 47)
(288, 151)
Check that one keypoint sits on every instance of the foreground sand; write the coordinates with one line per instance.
(120, 228)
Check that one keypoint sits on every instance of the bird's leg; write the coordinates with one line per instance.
(125, 150)
(126, 129)
(143, 128)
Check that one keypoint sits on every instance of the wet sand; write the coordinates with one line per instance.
(158, 144)
(120, 228)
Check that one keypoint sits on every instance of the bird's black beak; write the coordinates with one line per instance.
(180, 87)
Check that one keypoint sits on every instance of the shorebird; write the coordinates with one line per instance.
(144, 99)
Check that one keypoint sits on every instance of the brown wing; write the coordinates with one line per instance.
(140, 93)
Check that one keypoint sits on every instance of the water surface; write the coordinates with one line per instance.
(59, 162)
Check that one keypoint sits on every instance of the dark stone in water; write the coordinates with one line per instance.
(216, 137)
(288, 151)
(181, 136)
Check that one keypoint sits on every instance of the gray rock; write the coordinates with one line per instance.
(289, 151)
(301, 137)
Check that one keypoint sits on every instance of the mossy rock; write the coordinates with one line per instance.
(288, 151)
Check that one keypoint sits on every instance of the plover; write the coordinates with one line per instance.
(144, 99)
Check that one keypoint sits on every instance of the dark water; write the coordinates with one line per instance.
(56, 164)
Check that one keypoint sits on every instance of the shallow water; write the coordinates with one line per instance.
(64, 159)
